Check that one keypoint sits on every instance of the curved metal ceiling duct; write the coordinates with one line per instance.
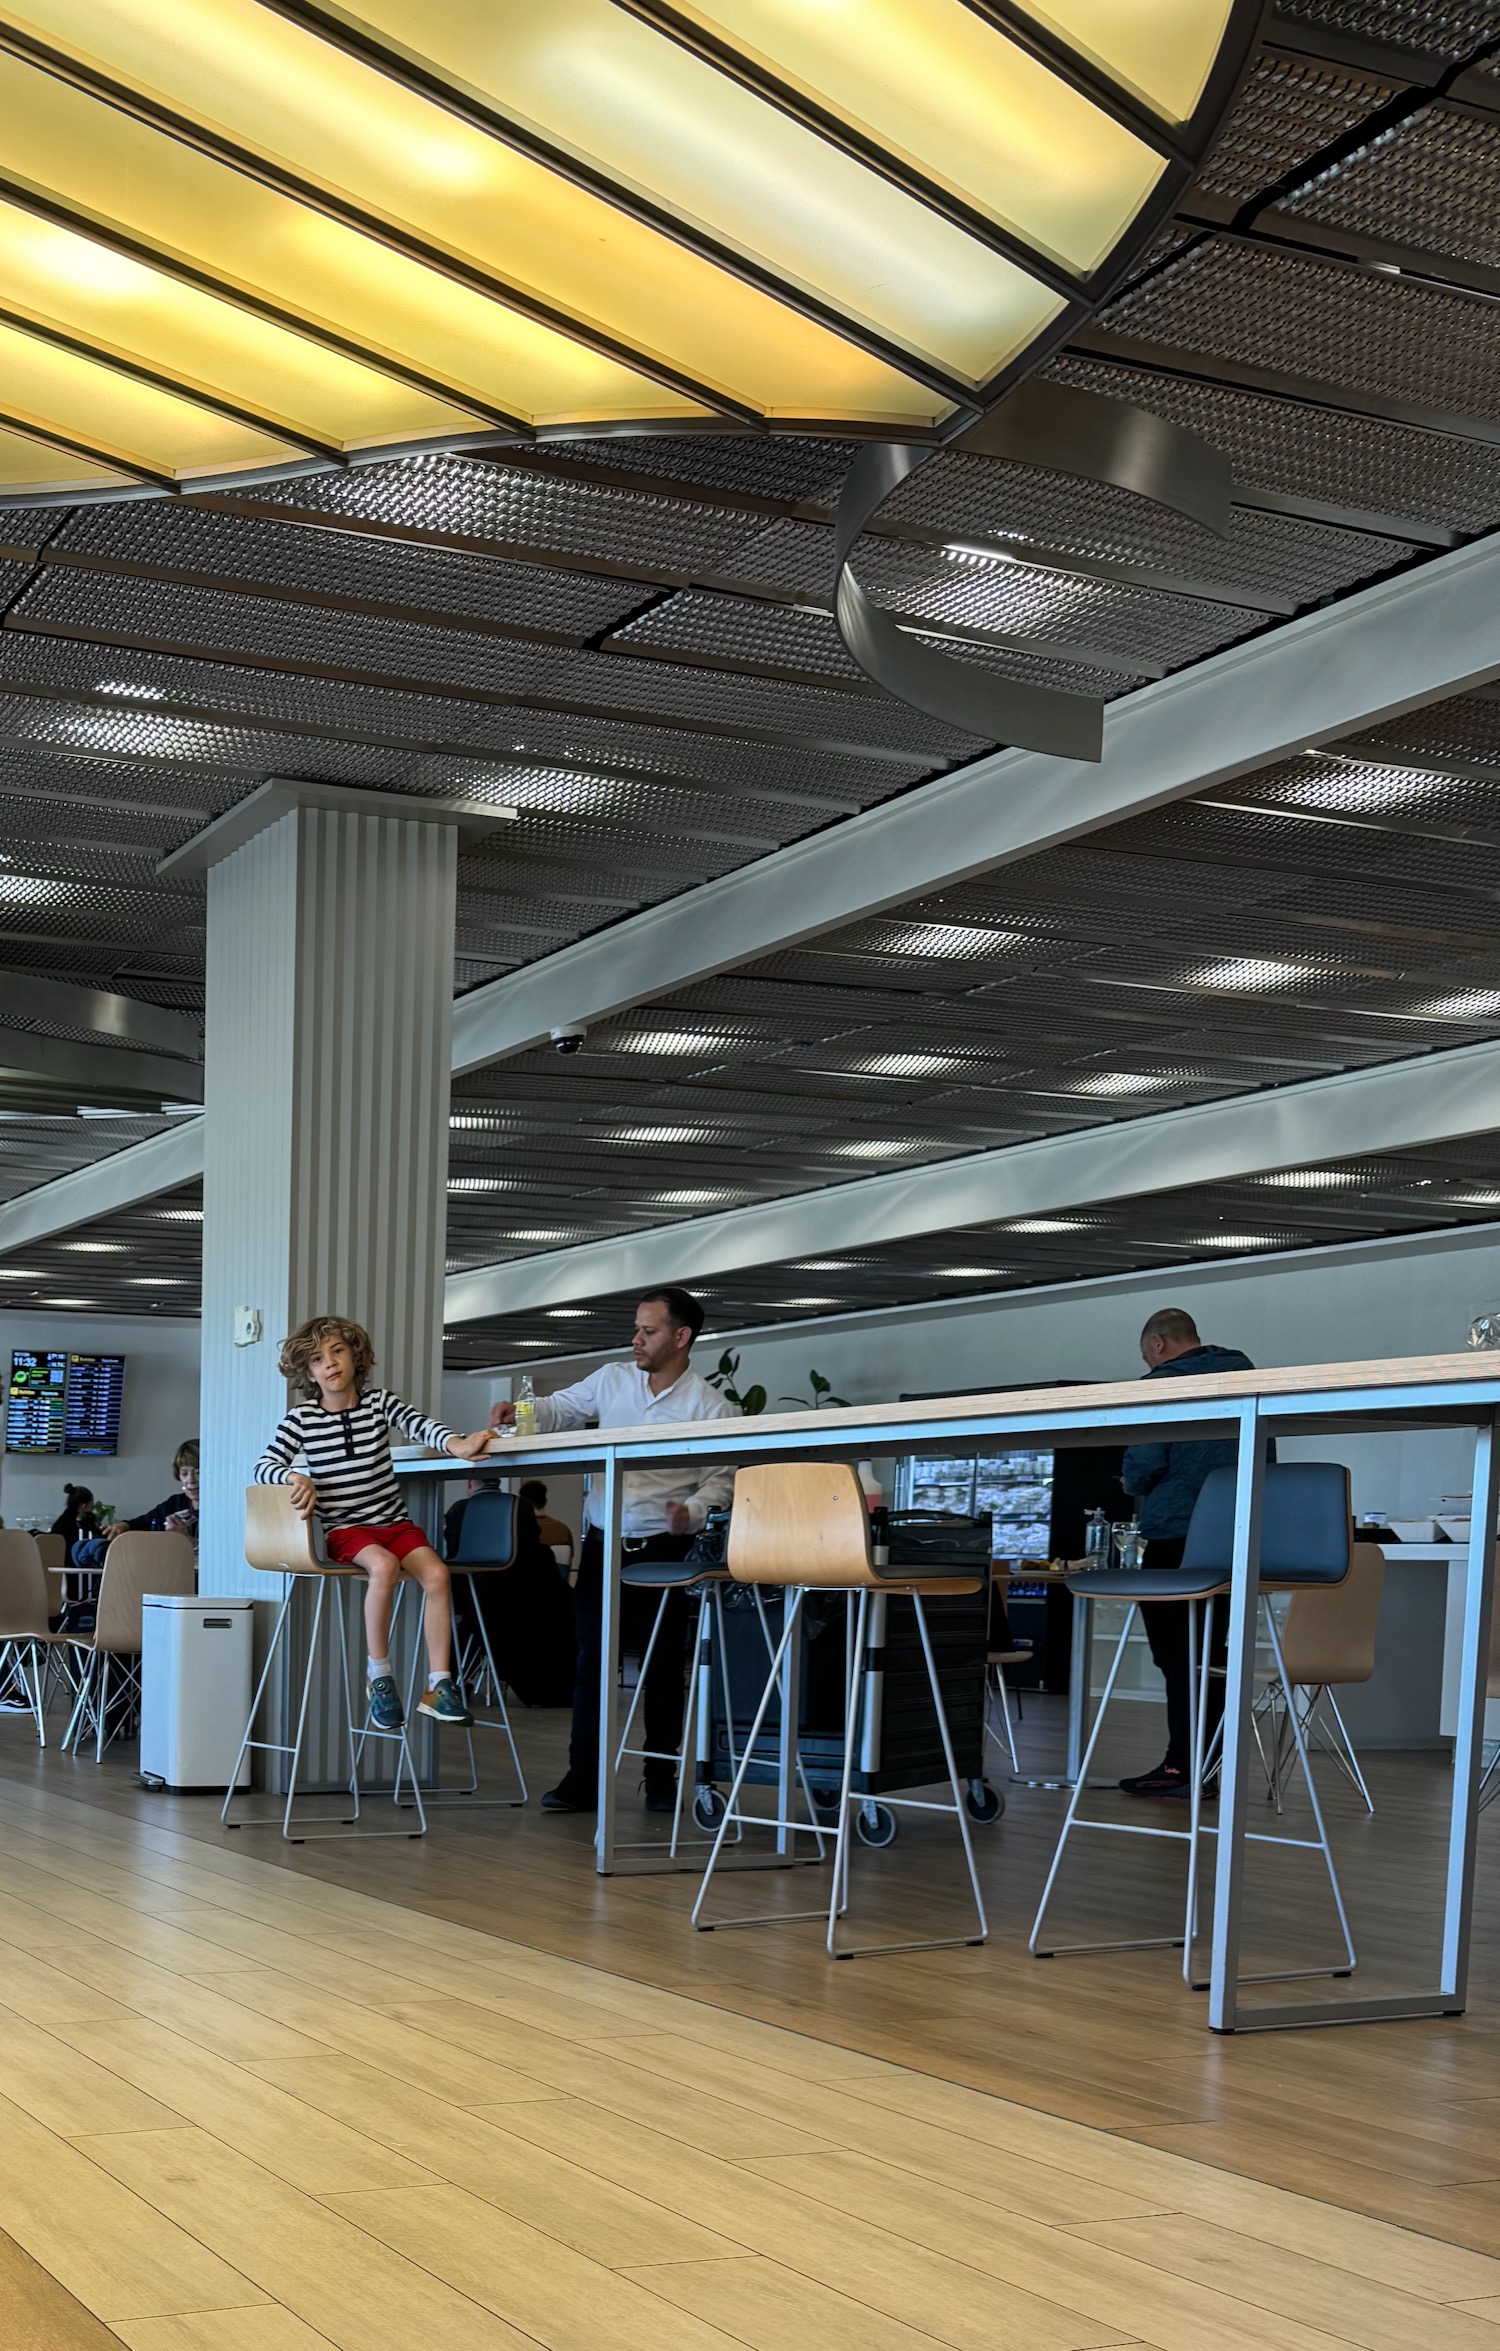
(1065, 431)
(243, 237)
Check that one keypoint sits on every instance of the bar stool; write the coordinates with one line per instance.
(278, 1541)
(1008, 1651)
(486, 1546)
(1328, 1642)
(135, 1563)
(666, 1577)
(1305, 1541)
(804, 1525)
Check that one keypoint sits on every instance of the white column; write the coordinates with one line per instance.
(328, 1040)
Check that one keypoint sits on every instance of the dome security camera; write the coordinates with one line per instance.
(568, 1039)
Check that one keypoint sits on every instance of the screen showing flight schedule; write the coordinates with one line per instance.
(91, 1409)
(36, 1401)
(58, 1402)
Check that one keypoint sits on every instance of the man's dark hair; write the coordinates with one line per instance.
(533, 1491)
(681, 1305)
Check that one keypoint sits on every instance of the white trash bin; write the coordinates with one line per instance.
(195, 1688)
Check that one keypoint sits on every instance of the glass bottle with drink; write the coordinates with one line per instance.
(525, 1422)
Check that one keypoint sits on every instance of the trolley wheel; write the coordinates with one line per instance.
(875, 1824)
(709, 1808)
(826, 1805)
(984, 1802)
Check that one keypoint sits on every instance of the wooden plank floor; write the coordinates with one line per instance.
(253, 2100)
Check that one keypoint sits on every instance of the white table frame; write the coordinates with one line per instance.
(1332, 1400)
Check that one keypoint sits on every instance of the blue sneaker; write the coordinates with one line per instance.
(444, 1702)
(383, 1699)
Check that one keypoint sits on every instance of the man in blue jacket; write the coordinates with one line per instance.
(1166, 1479)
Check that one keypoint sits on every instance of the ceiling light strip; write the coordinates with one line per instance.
(426, 80)
(221, 149)
(773, 90)
(82, 223)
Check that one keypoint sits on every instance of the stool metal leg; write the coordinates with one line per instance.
(469, 1796)
(1071, 1821)
(1317, 1844)
(855, 1709)
(1009, 1741)
(247, 1742)
(732, 1812)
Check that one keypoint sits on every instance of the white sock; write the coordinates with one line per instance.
(378, 1666)
(434, 1678)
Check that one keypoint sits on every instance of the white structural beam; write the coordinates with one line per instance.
(1438, 1098)
(122, 1019)
(1429, 633)
(142, 1172)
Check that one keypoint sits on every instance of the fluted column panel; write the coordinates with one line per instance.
(330, 983)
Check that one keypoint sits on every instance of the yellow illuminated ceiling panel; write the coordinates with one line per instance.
(235, 236)
(1162, 49)
(931, 82)
(31, 469)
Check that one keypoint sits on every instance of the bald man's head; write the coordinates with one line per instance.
(1170, 1332)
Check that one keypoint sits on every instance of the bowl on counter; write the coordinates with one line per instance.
(1412, 1530)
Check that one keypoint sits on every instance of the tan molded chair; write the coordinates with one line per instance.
(280, 1542)
(26, 1639)
(135, 1564)
(54, 1551)
(1327, 1642)
(804, 1525)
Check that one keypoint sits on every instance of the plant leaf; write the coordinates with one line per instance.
(820, 1386)
(753, 1400)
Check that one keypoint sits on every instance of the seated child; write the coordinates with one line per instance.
(343, 1432)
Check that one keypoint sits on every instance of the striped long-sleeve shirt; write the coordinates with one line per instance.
(348, 1456)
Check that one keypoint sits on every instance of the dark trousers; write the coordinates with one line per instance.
(1167, 1624)
(665, 1682)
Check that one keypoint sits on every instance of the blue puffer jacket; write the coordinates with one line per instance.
(1166, 1478)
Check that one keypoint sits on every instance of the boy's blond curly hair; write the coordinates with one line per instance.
(298, 1351)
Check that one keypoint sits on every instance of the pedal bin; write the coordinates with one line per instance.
(195, 1688)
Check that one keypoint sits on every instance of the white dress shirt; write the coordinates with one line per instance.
(619, 1396)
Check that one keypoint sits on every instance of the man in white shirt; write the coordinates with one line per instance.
(662, 1510)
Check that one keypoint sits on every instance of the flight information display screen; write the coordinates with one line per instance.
(36, 1400)
(91, 1405)
(58, 1402)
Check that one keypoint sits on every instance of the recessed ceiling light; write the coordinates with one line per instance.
(20, 1273)
(877, 1148)
(776, 1302)
(157, 1281)
(178, 1215)
(1485, 1198)
(967, 1273)
(98, 1248)
(1120, 1081)
(485, 1120)
(474, 1183)
(67, 1302)
(959, 939)
(828, 1265)
(538, 1233)
(1251, 971)
(1048, 1224)
(970, 551)
(907, 1065)
(1233, 1241)
(695, 1198)
(658, 1135)
(693, 1041)
(1472, 1004)
(569, 1313)
(1312, 1179)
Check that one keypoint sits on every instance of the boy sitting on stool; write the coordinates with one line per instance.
(343, 1431)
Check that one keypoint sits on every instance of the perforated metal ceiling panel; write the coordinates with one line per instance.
(629, 641)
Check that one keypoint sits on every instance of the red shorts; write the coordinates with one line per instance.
(344, 1544)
